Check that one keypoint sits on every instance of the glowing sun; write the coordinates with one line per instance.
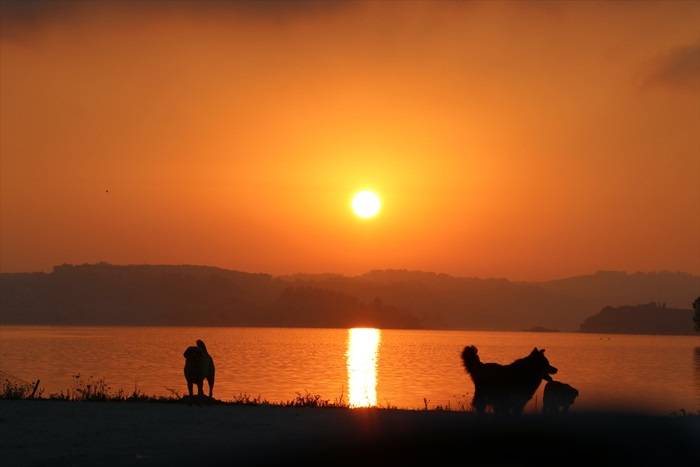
(366, 204)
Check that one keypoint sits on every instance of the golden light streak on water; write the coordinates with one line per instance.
(362, 353)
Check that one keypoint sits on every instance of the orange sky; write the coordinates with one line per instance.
(517, 140)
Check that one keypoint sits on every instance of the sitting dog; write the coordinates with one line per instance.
(199, 366)
(558, 397)
(506, 388)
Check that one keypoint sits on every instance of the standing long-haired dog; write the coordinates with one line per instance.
(506, 388)
(199, 365)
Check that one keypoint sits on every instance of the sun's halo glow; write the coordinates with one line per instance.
(366, 204)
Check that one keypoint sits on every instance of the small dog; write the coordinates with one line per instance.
(506, 388)
(199, 365)
(558, 397)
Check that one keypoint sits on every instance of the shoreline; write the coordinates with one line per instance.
(209, 326)
(77, 433)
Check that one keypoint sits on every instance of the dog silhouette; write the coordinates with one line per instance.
(199, 365)
(506, 388)
(558, 397)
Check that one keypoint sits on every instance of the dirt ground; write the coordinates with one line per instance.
(59, 433)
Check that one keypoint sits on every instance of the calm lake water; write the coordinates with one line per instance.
(364, 366)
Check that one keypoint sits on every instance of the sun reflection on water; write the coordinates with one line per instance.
(363, 346)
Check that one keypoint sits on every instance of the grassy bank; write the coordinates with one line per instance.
(97, 390)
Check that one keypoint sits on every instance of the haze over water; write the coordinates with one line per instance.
(363, 366)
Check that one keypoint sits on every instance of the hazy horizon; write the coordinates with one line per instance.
(522, 140)
(351, 275)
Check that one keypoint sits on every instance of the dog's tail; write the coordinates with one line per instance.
(202, 347)
(470, 357)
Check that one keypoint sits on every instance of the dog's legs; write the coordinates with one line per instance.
(517, 407)
(189, 388)
(210, 380)
(478, 403)
(200, 388)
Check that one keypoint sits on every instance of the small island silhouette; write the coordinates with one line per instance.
(649, 318)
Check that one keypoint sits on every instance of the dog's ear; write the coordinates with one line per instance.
(542, 351)
(534, 351)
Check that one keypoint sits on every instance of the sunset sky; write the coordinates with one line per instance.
(519, 140)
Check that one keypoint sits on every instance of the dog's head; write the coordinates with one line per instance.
(192, 352)
(542, 364)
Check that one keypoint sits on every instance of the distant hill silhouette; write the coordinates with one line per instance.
(181, 296)
(107, 294)
(199, 295)
(445, 301)
(650, 318)
(312, 307)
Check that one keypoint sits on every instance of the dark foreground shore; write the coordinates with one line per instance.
(56, 433)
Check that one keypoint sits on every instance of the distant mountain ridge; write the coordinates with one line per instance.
(497, 303)
(201, 295)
